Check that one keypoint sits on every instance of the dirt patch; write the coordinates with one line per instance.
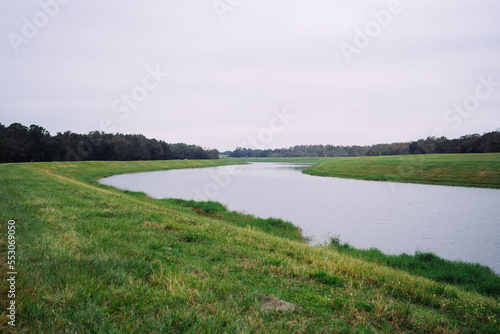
(247, 264)
(484, 173)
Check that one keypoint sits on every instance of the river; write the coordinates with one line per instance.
(452, 222)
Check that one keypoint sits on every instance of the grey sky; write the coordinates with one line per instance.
(227, 76)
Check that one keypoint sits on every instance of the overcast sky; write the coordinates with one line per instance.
(341, 72)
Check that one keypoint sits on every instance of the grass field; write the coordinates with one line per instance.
(94, 259)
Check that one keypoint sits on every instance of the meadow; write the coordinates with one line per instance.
(94, 259)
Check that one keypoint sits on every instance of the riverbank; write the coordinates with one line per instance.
(466, 170)
(92, 258)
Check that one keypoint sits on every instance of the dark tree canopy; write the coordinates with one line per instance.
(19, 143)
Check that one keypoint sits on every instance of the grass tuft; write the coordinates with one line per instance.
(324, 278)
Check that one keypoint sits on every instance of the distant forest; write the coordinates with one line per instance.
(488, 142)
(19, 143)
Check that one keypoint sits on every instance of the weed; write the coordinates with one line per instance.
(324, 278)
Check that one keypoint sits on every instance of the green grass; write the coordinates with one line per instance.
(469, 170)
(274, 226)
(94, 259)
(469, 276)
(302, 160)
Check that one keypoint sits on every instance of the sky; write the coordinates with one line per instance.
(257, 74)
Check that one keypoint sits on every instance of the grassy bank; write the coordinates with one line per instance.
(302, 160)
(468, 170)
(468, 276)
(95, 259)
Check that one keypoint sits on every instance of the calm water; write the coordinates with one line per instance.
(453, 222)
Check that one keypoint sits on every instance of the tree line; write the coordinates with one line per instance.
(475, 143)
(19, 143)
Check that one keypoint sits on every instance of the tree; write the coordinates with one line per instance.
(16, 143)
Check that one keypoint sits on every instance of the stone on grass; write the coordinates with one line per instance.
(270, 303)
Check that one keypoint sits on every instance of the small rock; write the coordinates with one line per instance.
(270, 303)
